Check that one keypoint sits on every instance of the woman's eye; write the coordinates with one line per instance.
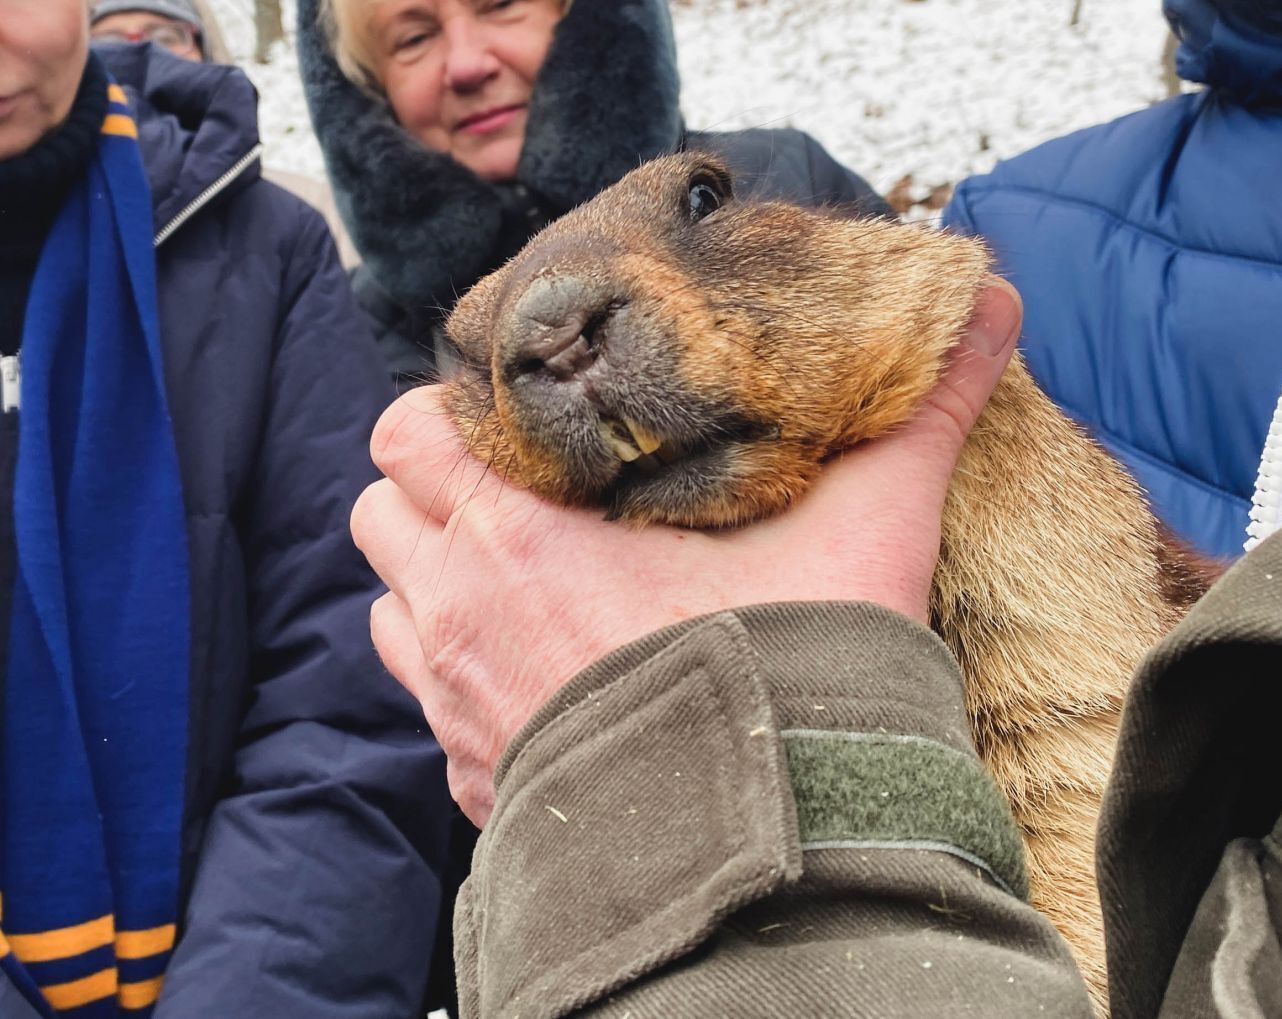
(412, 40)
(704, 200)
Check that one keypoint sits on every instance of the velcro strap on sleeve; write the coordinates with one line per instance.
(645, 807)
(880, 790)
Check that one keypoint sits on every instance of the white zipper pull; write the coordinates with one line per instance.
(10, 382)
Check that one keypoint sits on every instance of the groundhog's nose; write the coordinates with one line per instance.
(556, 328)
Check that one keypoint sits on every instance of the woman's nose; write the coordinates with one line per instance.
(469, 60)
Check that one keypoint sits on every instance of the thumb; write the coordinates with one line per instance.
(974, 366)
(917, 460)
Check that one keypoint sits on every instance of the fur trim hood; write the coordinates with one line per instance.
(426, 226)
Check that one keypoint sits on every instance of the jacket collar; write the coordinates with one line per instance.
(196, 123)
(428, 228)
(1224, 53)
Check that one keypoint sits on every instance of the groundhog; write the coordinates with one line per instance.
(678, 356)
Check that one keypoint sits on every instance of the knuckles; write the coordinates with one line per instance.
(394, 645)
(413, 437)
(386, 444)
(364, 521)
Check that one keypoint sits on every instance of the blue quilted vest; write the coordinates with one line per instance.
(1149, 255)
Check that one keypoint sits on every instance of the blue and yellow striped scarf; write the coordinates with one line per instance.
(95, 704)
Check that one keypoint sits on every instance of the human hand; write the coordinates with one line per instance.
(496, 598)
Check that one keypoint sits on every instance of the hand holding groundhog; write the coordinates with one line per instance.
(497, 598)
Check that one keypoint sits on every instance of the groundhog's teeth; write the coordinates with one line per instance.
(616, 437)
(646, 441)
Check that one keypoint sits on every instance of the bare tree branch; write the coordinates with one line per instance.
(212, 41)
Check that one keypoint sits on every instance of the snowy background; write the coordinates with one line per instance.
(934, 90)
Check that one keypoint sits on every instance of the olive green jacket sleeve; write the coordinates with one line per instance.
(771, 812)
(1190, 852)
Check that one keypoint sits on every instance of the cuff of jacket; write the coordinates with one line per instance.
(682, 777)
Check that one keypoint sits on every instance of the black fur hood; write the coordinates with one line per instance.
(427, 228)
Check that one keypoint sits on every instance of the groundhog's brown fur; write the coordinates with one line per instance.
(754, 342)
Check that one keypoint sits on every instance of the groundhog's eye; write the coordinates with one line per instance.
(705, 198)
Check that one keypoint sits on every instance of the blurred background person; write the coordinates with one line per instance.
(187, 29)
(453, 130)
(1149, 251)
(173, 24)
(213, 801)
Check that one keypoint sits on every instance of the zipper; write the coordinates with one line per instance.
(208, 195)
(1266, 504)
(11, 364)
(10, 382)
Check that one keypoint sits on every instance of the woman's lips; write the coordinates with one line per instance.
(489, 120)
(9, 103)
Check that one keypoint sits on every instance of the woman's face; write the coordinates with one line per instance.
(43, 48)
(458, 73)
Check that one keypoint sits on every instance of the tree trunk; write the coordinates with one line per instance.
(1169, 76)
(212, 42)
(268, 27)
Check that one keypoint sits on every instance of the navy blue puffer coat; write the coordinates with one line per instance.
(317, 814)
(1149, 254)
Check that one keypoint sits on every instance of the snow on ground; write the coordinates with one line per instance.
(938, 89)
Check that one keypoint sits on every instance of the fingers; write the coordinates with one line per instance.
(398, 538)
(416, 444)
(391, 624)
(396, 639)
(472, 789)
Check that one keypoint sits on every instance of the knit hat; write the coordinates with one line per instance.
(179, 10)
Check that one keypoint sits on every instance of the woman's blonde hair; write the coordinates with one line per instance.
(346, 27)
(344, 23)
